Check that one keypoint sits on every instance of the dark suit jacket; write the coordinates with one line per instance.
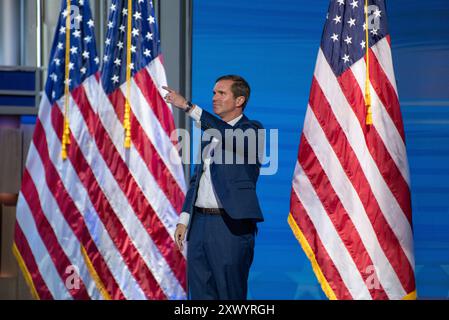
(235, 184)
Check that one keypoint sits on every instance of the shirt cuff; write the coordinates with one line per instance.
(195, 114)
(184, 218)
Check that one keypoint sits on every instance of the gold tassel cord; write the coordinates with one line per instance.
(369, 114)
(66, 128)
(126, 118)
(100, 285)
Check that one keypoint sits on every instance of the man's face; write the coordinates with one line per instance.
(225, 105)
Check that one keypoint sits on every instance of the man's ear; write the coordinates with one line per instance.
(240, 101)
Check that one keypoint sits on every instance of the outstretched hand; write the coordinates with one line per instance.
(175, 98)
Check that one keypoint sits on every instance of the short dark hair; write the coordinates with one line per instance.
(239, 87)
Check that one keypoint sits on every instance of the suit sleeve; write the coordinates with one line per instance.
(208, 121)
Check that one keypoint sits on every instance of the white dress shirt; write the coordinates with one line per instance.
(206, 196)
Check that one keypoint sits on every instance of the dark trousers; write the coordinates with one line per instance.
(220, 251)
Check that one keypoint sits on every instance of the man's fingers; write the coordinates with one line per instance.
(179, 237)
(168, 89)
(179, 242)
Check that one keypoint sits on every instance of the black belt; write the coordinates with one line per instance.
(213, 211)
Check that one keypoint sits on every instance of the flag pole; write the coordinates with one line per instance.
(126, 118)
(66, 129)
(369, 113)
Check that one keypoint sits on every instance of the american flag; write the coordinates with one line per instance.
(99, 224)
(143, 186)
(350, 203)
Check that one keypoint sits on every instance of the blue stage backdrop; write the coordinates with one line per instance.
(274, 45)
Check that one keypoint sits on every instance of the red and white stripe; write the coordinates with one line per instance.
(350, 197)
(120, 205)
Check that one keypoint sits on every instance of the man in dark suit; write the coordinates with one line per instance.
(221, 208)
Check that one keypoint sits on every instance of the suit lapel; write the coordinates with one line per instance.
(242, 120)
